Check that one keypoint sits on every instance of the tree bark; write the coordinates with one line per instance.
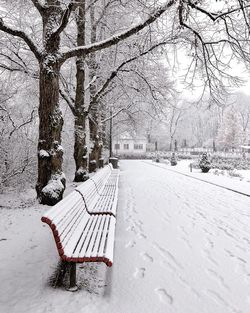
(80, 147)
(95, 114)
(51, 180)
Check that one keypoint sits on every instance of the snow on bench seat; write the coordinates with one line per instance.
(79, 236)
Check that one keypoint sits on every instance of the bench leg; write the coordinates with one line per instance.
(62, 268)
(72, 277)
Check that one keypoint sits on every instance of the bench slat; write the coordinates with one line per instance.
(90, 235)
(78, 235)
(109, 251)
(73, 230)
(104, 236)
(95, 251)
(93, 242)
(84, 238)
(70, 218)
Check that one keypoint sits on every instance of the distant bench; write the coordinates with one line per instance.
(83, 223)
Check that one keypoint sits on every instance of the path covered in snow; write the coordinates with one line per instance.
(182, 246)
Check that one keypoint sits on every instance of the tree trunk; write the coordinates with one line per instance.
(95, 117)
(171, 143)
(214, 146)
(51, 180)
(96, 148)
(80, 147)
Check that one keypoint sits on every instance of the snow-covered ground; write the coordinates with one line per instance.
(182, 246)
(239, 183)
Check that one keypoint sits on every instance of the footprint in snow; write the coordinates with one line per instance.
(141, 235)
(139, 272)
(147, 257)
(164, 296)
(130, 244)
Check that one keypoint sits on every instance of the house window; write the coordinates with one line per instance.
(117, 146)
(126, 146)
(138, 146)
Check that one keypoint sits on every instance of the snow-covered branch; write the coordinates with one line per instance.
(23, 36)
(116, 71)
(84, 50)
(216, 16)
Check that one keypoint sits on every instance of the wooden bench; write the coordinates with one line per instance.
(83, 223)
(100, 192)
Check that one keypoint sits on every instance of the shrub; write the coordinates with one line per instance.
(230, 163)
(173, 160)
(204, 163)
(234, 174)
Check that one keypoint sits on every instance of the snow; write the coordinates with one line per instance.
(43, 154)
(241, 184)
(55, 186)
(81, 171)
(182, 246)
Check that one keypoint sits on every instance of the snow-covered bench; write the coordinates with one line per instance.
(100, 192)
(83, 223)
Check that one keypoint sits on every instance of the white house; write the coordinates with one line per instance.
(245, 148)
(128, 145)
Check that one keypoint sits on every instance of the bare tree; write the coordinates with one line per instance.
(55, 18)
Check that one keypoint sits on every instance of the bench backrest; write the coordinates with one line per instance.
(88, 192)
(64, 217)
(92, 187)
(101, 177)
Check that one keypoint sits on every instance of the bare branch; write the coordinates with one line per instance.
(117, 113)
(23, 36)
(68, 100)
(21, 125)
(116, 71)
(216, 16)
(38, 6)
(65, 19)
(84, 50)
